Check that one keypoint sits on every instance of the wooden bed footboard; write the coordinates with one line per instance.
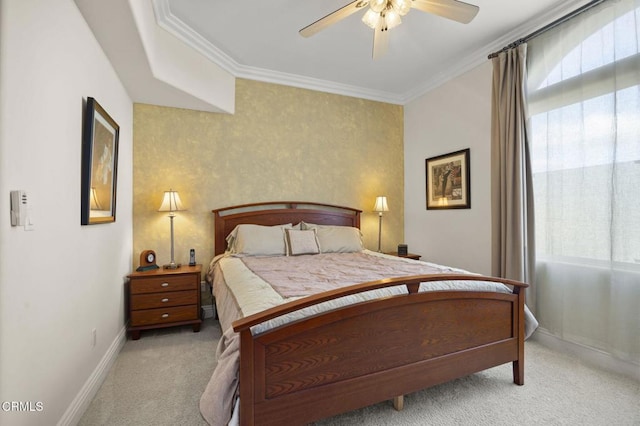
(376, 350)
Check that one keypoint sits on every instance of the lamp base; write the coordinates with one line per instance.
(171, 266)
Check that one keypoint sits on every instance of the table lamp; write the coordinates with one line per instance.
(171, 203)
(380, 206)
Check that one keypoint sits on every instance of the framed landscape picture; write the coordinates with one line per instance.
(99, 165)
(448, 181)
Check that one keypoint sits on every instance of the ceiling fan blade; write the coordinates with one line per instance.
(333, 17)
(380, 40)
(450, 9)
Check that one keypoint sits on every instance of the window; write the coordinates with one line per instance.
(584, 127)
(584, 102)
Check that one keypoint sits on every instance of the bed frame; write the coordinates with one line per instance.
(368, 352)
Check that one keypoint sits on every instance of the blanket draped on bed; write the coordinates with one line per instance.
(226, 371)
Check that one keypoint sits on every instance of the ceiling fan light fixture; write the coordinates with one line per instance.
(401, 6)
(383, 15)
(371, 19)
(378, 5)
(392, 19)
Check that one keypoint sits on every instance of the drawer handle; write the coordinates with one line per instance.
(165, 300)
(165, 315)
(165, 284)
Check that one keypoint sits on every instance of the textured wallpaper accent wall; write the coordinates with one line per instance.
(283, 143)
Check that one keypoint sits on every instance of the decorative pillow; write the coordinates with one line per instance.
(257, 240)
(302, 242)
(304, 225)
(337, 239)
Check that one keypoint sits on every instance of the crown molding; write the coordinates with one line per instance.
(453, 70)
(182, 31)
(534, 24)
(169, 22)
(295, 80)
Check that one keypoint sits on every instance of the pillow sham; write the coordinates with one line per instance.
(302, 242)
(257, 240)
(337, 239)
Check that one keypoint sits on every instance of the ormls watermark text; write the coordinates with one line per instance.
(22, 406)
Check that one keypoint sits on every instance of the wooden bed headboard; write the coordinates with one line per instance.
(278, 213)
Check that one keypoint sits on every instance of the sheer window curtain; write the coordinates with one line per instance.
(584, 108)
(512, 201)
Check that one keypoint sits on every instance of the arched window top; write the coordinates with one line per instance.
(587, 47)
(611, 43)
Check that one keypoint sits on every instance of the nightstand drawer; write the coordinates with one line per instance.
(166, 315)
(165, 283)
(159, 300)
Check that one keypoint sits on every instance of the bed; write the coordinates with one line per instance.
(307, 358)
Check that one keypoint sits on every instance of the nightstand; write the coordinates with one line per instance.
(164, 298)
(408, 255)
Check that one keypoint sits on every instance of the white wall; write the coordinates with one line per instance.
(61, 280)
(455, 116)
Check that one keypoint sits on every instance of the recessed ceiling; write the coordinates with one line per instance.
(259, 39)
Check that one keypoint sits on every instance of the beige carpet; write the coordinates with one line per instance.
(158, 380)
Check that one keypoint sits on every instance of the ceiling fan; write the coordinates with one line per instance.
(383, 15)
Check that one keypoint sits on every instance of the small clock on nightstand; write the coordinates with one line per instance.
(147, 261)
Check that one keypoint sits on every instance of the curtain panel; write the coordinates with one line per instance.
(584, 106)
(513, 252)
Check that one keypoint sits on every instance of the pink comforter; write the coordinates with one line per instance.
(295, 276)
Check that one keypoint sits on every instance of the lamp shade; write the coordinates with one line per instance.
(371, 19)
(378, 6)
(381, 205)
(171, 202)
(392, 19)
(401, 6)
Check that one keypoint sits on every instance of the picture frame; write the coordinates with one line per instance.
(100, 136)
(448, 181)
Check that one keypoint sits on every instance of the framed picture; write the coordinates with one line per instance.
(99, 165)
(449, 181)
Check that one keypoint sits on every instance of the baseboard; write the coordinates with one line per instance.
(92, 385)
(590, 355)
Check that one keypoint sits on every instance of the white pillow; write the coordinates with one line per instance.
(257, 240)
(302, 242)
(337, 239)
